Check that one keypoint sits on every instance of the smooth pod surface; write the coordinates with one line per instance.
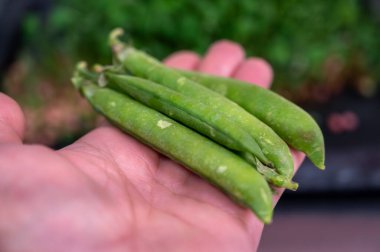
(287, 119)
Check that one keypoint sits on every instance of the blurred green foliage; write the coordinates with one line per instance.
(296, 37)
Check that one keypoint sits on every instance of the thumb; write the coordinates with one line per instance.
(12, 121)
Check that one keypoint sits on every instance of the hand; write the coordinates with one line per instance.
(108, 192)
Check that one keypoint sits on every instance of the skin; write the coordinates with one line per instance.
(92, 196)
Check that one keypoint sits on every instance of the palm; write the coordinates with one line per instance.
(152, 199)
(108, 192)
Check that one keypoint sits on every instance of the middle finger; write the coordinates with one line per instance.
(222, 58)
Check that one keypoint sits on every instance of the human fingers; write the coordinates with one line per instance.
(222, 58)
(255, 70)
(185, 60)
(12, 120)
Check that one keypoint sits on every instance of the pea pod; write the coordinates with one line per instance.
(194, 114)
(201, 155)
(142, 65)
(190, 111)
(288, 120)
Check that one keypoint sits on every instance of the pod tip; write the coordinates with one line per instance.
(322, 167)
(267, 219)
(292, 186)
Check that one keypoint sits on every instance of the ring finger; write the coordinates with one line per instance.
(222, 58)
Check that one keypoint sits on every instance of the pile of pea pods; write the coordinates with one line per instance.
(234, 134)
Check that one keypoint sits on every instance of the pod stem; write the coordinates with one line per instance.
(82, 72)
(118, 47)
(274, 177)
(269, 173)
(84, 80)
(77, 78)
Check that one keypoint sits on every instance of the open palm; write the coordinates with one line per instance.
(108, 192)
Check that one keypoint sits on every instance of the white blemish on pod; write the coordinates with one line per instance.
(112, 104)
(181, 81)
(268, 141)
(221, 169)
(163, 124)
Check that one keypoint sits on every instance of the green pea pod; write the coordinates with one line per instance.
(190, 111)
(144, 66)
(288, 120)
(208, 159)
(194, 114)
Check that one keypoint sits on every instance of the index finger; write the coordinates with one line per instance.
(12, 122)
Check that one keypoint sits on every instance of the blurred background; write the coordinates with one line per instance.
(325, 55)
